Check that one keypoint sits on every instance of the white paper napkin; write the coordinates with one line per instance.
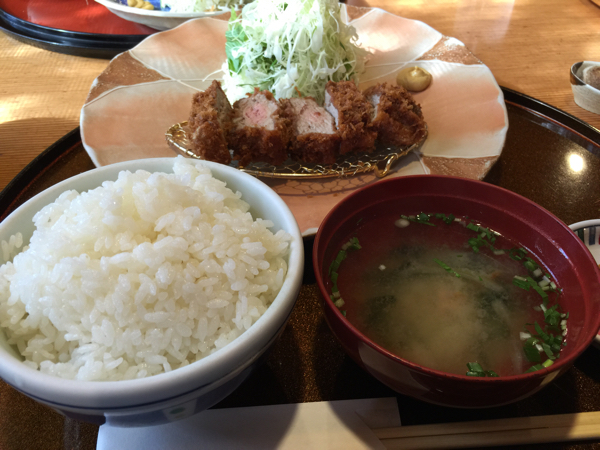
(343, 425)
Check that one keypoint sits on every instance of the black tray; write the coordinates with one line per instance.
(77, 43)
(307, 364)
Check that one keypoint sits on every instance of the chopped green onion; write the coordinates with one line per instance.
(539, 331)
(542, 340)
(474, 367)
(548, 350)
(354, 244)
(532, 340)
(537, 288)
(531, 353)
(521, 282)
(556, 347)
(449, 219)
(472, 226)
(530, 265)
(547, 363)
(517, 253)
(334, 277)
(421, 218)
(552, 316)
(535, 368)
(475, 244)
(446, 267)
(475, 370)
(424, 219)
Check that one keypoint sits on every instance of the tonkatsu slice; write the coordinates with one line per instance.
(209, 123)
(260, 129)
(352, 113)
(397, 117)
(314, 137)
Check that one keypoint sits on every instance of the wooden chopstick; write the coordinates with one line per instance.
(487, 433)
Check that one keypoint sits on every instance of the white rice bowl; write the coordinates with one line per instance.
(140, 276)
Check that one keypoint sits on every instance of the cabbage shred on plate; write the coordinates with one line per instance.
(290, 48)
(199, 6)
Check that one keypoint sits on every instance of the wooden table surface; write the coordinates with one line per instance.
(529, 46)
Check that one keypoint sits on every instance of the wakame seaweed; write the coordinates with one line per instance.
(542, 340)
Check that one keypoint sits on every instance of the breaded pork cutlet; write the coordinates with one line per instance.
(352, 113)
(397, 118)
(314, 135)
(209, 122)
(260, 129)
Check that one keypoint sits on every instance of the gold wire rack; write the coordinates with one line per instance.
(381, 161)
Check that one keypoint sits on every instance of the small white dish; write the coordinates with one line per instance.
(589, 232)
(586, 96)
(159, 20)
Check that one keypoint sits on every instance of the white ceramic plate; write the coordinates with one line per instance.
(149, 88)
(159, 20)
(589, 232)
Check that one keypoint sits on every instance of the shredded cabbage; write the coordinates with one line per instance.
(189, 6)
(290, 48)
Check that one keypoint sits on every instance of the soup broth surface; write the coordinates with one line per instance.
(401, 298)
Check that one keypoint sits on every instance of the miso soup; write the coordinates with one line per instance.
(424, 294)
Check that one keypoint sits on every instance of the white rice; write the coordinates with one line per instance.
(139, 276)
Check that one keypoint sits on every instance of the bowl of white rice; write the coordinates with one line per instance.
(145, 291)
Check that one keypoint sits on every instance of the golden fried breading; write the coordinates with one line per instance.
(260, 129)
(314, 135)
(352, 112)
(397, 119)
(209, 122)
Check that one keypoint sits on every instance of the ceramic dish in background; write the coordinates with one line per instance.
(152, 86)
(589, 232)
(157, 19)
(186, 390)
(586, 95)
(71, 27)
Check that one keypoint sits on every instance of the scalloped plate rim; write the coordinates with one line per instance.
(496, 132)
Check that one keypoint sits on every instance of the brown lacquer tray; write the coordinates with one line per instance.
(307, 364)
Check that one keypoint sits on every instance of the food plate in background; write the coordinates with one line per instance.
(589, 232)
(72, 27)
(146, 90)
(157, 19)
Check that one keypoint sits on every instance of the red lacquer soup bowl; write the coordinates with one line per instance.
(560, 252)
